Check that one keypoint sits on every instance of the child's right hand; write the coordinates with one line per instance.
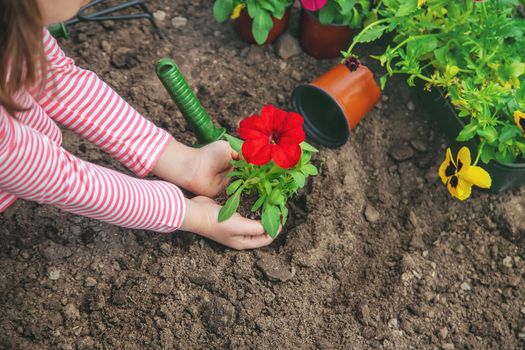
(237, 232)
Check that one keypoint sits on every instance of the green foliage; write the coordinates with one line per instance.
(346, 12)
(261, 12)
(272, 185)
(473, 51)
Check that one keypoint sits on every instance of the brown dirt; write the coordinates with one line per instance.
(377, 254)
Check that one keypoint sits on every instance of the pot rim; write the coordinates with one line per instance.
(309, 127)
(311, 13)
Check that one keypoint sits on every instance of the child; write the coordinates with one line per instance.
(39, 86)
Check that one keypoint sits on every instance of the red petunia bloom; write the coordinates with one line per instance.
(274, 135)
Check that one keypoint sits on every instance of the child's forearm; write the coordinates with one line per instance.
(176, 164)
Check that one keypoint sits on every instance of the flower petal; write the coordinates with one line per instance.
(477, 176)
(461, 190)
(286, 155)
(519, 118)
(253, 127)
(313, 5)
(446, 163)
(257, 151)
(464, 160)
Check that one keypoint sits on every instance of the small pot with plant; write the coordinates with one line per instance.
(255, 21)
(327, 26)
(470, 55)
(275, 165)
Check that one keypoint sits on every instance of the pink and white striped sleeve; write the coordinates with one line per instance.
(33, 167)
(79, 100)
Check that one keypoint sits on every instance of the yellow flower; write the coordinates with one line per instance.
(519, 118)
(237, 11)
(420, 3)
(459, 176)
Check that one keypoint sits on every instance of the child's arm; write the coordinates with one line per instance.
(82, 102)
(33, 167)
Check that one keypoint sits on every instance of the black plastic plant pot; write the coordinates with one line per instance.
(504, 176)
(334, 103)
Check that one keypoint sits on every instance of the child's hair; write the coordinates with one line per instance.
(22, 58)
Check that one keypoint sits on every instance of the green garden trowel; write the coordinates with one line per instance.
(190, 106)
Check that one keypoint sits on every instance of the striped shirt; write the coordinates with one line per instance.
(34, 166)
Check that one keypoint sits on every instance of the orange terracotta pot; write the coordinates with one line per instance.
(243, 26)
(335, 103)
(323, 41)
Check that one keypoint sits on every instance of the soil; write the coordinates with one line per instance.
(376, 254)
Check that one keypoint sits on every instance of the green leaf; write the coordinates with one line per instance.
(468, 132)
(233, 174)
(487, 154)
(382, 81)
(307, 147)
(442, 55)
(234, 142)
(262, 24)
(253, 8)
(521, 147)
(406, 7)
(270, 220)
(267, 186)
(508, 132)
(327, 14)
(489, 133)
(309, 169)
(299, 178)
(230, 207)
(422, 45)
(222, 9)
(258, 203)
(372, 34)
(234, 186)
(284, 213)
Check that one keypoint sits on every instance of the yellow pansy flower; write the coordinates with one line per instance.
(237, 11)
(459, 176)
(519, 118)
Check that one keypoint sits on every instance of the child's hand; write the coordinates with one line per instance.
(211, 164)
(236, 232)
(199, 170)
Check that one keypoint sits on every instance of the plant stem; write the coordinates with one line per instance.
(360, 35)
(420, 76)
(274, 170)
(480, 150)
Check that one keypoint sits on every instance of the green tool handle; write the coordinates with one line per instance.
(190, 106)
(58, 30)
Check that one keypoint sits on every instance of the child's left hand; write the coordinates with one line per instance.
(198, 170)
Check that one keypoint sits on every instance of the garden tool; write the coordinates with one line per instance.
(192, 110)
(59, 30)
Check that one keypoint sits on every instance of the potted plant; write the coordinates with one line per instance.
(274, 166)
(470, 54)
(258, 22)
(327, 26)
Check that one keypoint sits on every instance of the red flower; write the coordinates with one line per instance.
(274, 135)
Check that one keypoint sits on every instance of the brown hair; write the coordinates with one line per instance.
(22, 57)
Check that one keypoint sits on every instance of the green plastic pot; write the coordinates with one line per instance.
(504, 176)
